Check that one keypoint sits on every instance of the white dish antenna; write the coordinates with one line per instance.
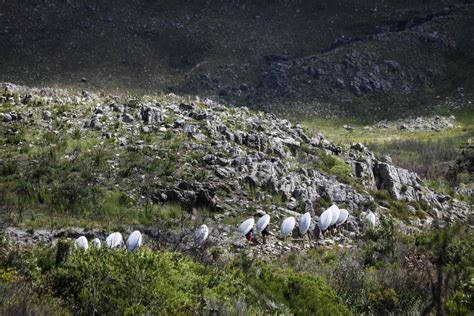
(335, 213)
(114, 240)
(134, 241)
(246, 226)
(287, 226)
(81, 243)
(201, 234)
(96, 243)
(305, 222)
(325, 219)
(370, 218)
(343, 215)
(263, 222)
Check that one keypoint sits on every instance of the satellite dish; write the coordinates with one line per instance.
(114, 240)
(246, 226)
(134, 241)
(370, 218)
(335, 213)
(81, 243)
(304, 223)
(263, 222)
(343, 215)
(201, 234)
(287, 226)
(96, 243)
(325, 219)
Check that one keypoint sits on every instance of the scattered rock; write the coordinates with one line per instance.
(127, 118)
(47, 116)
(151, 115)
(7, 117)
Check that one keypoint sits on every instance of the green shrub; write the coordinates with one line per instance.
(421, 214)
(383, 300)
(399, 209)
(322, 203)
(114, 282)
(115, 204)
(111, 282)
(303, 293)
(450, 251)
(379, 241)
(382, 195)
(461, 301)
(169, 134)
(18, 298)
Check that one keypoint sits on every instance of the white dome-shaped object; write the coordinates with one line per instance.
(114, 240)
(263, 222)
(82, 243)
(201, 234)
(335, 213)
(287, 226)
(246, 226)
(343, 215)
(370, 218)
(134, 241)
(325, 219)
(304, 223)
(96, 243)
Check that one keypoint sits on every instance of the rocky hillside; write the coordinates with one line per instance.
(169, 163)
(398, 67)
(303, 58)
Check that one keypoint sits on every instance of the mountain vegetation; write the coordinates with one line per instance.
(183, 119)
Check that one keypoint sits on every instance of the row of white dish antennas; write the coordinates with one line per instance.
(113, 241)
(332, 217)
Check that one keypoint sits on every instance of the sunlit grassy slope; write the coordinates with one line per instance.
(429, 153)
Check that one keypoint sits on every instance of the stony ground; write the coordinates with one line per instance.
(167, 164)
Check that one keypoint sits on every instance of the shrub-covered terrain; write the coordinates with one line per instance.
(389, 274)
(181, 119)
(81, 163)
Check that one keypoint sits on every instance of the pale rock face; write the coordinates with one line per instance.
(151, 115)
(401, 183)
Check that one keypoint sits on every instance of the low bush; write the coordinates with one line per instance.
(451, 253)
(18, 298)
(303, 293)
(101, 281)
(383, 300)
(379, 241)
(110, 282)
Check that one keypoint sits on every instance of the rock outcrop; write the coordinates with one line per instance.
(225, 161)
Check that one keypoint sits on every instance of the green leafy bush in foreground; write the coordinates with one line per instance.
(18, 298)
(303, 293)
(107, 282)
(387, 275)
(110, 282)
(115, 282)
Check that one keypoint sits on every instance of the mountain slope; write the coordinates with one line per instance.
(83, 164)
(99, 160)
(294, 57)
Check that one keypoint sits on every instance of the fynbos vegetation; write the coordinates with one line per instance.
(236, 157)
